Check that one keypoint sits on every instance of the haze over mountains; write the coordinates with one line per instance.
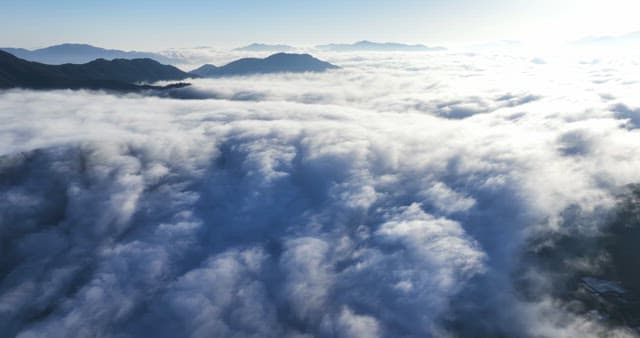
(261, 47)
(276, 63)
(377, 47)
(626, 40)
(81, 53)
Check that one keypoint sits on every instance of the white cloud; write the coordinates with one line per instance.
(392, 197)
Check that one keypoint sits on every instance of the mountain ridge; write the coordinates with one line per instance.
(275, 63)
(119, 74)
(262, 47)
(81, 53)
(629, 39)
(366, 45)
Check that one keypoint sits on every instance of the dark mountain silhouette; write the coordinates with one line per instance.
(136, 70)
(118, 74)
(81, 53)
(276, 63)
(261, 47)
(377, 47)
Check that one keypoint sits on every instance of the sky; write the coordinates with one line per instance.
(161, 24)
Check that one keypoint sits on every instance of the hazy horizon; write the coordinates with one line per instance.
(156, 25)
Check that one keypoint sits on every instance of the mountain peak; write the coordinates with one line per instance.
(69, 44)
(262, 47)
(72, 47)
(283, 55)
(275, 63)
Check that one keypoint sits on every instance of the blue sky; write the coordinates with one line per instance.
(159, 24)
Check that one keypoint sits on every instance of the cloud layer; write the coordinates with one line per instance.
(394, 197)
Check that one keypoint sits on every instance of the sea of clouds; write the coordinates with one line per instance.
(403, 195)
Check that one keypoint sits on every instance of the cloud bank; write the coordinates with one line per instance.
(403, 195)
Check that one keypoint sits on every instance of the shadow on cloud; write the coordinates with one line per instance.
(308, 205)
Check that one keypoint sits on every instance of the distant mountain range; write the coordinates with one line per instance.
(276, 63)
(81, 53)
(261, 47)
(626, 40)
(119, 74)
(377, 47)
(133, 75)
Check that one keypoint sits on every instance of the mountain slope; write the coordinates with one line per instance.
(137, 70)
(80, 53)
(377, 47)
(205, 71)
(98, 74)
(276, 63)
